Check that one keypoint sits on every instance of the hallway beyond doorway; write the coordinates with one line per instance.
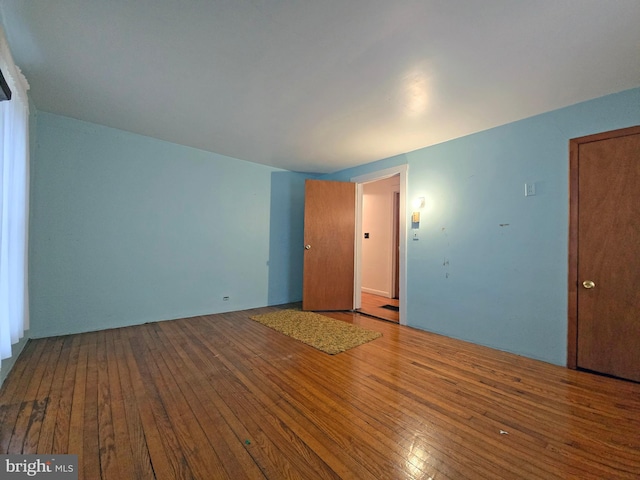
(374, 305)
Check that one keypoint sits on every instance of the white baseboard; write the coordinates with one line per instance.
(373, 291)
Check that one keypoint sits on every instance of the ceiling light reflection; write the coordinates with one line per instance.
(419, 460)
(416, 97)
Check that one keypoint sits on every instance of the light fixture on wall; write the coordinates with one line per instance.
(418, 203)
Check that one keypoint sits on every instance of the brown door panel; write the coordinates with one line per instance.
(329, 242)
(606, 225)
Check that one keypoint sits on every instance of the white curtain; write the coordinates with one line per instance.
(14, 204)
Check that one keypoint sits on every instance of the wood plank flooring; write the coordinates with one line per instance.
(221, 396)
(373, 305)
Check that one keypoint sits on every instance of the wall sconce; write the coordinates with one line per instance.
(418, 203)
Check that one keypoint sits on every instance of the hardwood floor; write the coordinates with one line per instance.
(373, 305)
(221, 396)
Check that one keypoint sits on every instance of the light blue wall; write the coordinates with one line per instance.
(286, 237)
(128, 229)
(491, 264)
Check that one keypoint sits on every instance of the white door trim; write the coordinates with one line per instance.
(360, 180)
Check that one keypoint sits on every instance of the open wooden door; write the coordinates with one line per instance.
(604, 268)
(329, 239)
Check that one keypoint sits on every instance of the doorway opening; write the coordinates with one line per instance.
(380, 247)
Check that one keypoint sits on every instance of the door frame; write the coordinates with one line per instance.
(395, 280)
(572, 313)
(360, 180)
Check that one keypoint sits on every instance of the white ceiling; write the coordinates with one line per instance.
(319, 85)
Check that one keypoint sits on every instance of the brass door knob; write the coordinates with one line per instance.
(307, 247)
(588, 284)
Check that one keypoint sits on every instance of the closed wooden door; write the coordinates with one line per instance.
(605, 239)
(329, 242)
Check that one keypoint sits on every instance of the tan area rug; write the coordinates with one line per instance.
(326, 334)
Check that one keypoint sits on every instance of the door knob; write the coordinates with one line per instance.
(588, 284)
(307, 247)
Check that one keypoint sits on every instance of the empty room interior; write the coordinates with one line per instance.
(320, 239)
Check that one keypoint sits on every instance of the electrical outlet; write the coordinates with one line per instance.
(529, 189)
